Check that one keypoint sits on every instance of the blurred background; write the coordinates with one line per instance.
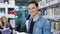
(17, 12)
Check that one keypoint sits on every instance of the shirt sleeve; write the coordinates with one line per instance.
(46, 27)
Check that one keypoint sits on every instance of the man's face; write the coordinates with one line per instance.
(32, 9)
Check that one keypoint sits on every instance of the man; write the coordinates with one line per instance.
(37, 24)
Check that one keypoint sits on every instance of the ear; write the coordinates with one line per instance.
(37, 8)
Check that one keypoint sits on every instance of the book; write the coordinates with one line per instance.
(42, 12)
(1, 1)
(52, 26)
(56, 25)
(47, 1)
(2, 10)
(5, 31)
(57, 11)
(12, 12)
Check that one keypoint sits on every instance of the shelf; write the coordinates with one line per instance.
(2, 14)
(10, 6)
(49, 4)
(6, 6)
(56, 32)
(55, 17)
(2, 5)
(9, 15)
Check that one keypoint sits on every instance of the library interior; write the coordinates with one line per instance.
(16, 13)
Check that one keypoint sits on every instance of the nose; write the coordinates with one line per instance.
(31, 10)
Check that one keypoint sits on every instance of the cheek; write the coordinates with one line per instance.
(32, 11)
(29, 11)
(36, 9)
(5, 21)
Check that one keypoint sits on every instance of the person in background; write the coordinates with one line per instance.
(37, 24)
(20, 25)
(5, 24)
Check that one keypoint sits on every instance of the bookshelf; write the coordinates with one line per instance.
(5, 5)
(55, 28)
(52, 12)
(50, 9)
(46, 3)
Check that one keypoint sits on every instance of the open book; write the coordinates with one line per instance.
(5, 31)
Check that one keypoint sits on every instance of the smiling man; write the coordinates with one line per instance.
(37, 24)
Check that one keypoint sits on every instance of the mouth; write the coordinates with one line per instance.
(31, 12)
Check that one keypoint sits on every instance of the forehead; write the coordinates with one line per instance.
(31, 5)
(4, 18)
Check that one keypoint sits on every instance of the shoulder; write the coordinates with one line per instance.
(10, 26)
(46, 22)
(43, 20)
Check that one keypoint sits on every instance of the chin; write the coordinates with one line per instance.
(32, 14)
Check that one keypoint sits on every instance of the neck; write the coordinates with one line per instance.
(5, 24)
(35, 17)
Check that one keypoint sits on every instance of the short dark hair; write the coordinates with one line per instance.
(33, 2)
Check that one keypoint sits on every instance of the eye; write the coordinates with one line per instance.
(32, 7)
(28, 8)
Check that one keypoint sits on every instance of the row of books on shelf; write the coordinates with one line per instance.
(47, 1)
(55, 27)
(51, 11)
(43, 2)
(2, 11)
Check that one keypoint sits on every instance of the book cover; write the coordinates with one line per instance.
(5, 31)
